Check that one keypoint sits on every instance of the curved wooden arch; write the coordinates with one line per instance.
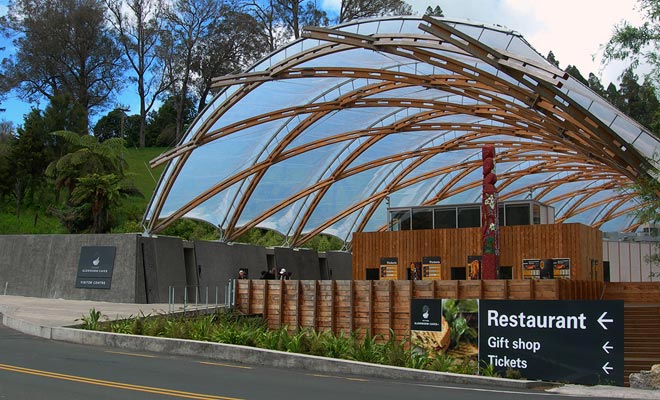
(530, 107)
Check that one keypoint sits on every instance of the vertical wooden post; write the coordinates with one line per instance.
(532, 293)
(249, 296)
(456, 289)
(298, 305)
(411, 292)
(281, 304)
(351, 297)
(315, 312)
(333, 317)
(264, 310)
(390, 296)
(371, 307)
(481, 289)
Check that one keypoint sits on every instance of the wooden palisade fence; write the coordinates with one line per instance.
(380, 306)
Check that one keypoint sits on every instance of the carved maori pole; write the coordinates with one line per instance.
(490, 230)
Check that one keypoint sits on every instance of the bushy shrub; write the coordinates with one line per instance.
(230, 328)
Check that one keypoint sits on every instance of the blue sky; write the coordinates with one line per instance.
(573, 30)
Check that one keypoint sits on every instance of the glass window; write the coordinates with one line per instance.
(517, 214)
(400, 220)
(422, 219)
(500, 215)
(445, 218)
(469, 217)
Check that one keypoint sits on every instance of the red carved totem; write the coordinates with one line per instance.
(490, 230)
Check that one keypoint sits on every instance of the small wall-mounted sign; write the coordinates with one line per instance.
(431, 268)
(95, 267)
(389, 268)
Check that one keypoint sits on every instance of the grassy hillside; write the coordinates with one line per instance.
(34, 219)
(144, 177)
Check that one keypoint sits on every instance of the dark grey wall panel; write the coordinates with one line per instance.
(164, 266)
(302, 263)
(218, 262)
(340, 265)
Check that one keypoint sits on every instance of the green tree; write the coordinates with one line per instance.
(552, 59)
(299, 13)
(357, 9)
(640, 45)
(6, 140)
(434, 12)
(612, 95)
(575, 73)
(92, 203)
(61, 47)
(161, 125)
(138, 25)
(228, 50)
(648, 212)
(640, 101)
(596, 85)
(637, 44)
(189, 24)
(87, 156)
(29, 155)
(116, 124)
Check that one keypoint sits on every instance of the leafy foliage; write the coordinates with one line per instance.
(94, 175)
(230, 328)
(434, 12)
(357, 9)
(648, 212)
(61, 47)
(92, 201)
(92, 321)
(189, 229)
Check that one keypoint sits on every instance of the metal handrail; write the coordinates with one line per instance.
(173, 291)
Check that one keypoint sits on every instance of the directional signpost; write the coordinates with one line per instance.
(566, 341)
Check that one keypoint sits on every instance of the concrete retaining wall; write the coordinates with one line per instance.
(46, 266)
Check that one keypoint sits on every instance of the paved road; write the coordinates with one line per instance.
(35, 368)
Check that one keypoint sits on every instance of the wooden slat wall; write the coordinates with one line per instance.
(633, 292)
(378, 306)
(578, 242)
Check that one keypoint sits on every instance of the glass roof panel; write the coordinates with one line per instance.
(521, 47)
(626, 129)
(342, 195)
(390, 26)
(217, 208)
(496, 39)
(287, 178)
(344, 228)
(282, 221)
(213, 162)
(648, 145)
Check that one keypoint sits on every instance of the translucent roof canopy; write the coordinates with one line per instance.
(315, 137)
